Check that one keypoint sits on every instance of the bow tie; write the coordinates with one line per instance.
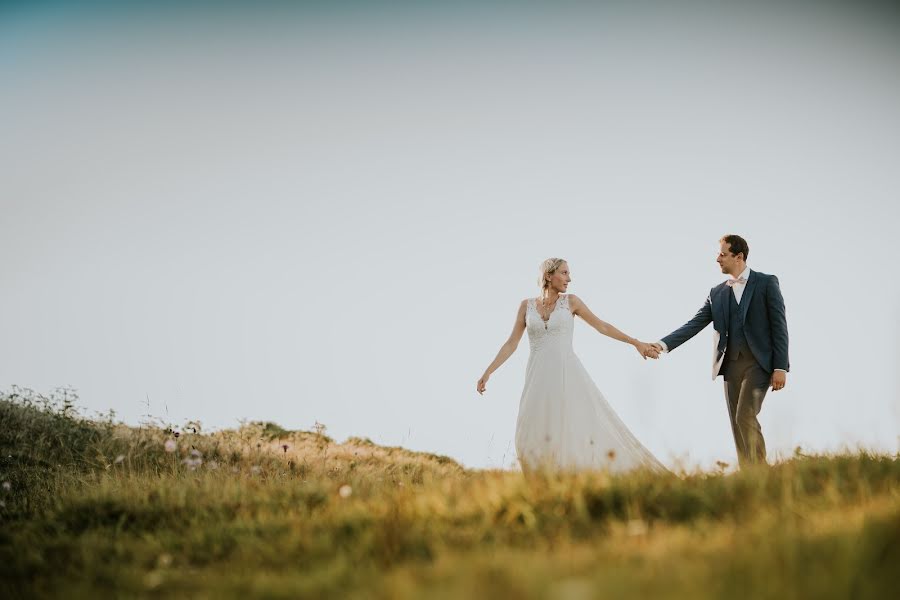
(734, 282)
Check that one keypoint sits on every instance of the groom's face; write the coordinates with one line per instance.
(728, 262)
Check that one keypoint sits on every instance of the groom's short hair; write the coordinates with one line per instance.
(737, 245)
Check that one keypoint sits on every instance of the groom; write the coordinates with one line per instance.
(751, 343)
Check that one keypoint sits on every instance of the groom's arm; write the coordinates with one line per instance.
(778, 323)
(689, 329)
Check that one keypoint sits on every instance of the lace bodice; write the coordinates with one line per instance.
(558, 327)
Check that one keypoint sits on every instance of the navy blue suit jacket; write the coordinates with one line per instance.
(765, 325)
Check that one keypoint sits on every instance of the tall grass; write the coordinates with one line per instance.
(94, 508)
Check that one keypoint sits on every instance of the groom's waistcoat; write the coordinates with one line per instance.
(737, 339)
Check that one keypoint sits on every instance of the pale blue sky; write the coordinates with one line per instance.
(307, 217)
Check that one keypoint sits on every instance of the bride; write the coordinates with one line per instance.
(564, 421)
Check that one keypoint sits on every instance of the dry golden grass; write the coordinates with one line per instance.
(99, 509)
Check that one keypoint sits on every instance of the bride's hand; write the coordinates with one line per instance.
(482, 383)
(646, 350)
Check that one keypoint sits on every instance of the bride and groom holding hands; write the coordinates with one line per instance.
(565, 422)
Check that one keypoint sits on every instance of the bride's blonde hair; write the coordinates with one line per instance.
(548, 267)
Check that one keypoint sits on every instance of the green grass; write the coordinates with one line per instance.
(267, 512)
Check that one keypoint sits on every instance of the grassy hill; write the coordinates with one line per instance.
(91, 508)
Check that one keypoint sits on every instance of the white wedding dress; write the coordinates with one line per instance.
(564, 421)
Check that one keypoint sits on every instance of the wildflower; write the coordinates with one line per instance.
(119, 459)
(177, 434)
(170, 445)
(196, 453)
(285, 448)
(635, 528)
(212, 465)
(153, 580)
(192, 463)
(345, 491)
(255, 469)
(6, 486)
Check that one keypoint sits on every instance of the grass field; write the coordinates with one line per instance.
(91, 508)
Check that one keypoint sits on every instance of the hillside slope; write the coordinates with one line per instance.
(95, 508)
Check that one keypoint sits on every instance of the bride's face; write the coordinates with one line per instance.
(560, 280)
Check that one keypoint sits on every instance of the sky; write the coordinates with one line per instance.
(331, 214)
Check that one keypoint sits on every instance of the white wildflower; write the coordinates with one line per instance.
(153, 580)
(170, 445)
(6, 486)
(192, 463)
(635, 528)
(119, 459)
(345, 491)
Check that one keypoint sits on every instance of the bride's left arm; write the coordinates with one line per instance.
(581, 309)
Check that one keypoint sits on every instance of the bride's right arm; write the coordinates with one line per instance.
(507, 349)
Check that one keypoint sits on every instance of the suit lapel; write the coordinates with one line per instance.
(725, 302)
(721, 309)
(747, 296)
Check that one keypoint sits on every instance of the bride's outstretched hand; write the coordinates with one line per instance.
(647, 350)
(482, 383)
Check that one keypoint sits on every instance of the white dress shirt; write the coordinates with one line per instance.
(738, 290)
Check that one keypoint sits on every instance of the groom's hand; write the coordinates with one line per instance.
(646, 350)
(779, 380)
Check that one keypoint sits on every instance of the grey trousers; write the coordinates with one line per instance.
(746, 384)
